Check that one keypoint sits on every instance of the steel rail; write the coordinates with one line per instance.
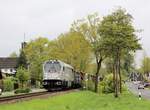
(22, 97)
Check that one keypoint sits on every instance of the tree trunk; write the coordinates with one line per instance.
(97, 74)
(116, 81)
(22, 84)
(119, 73)
(116, 75)
(96, 83)
(120, 82)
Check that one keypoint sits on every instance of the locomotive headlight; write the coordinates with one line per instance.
(46, 83)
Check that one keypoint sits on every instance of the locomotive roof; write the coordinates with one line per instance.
(62, 63)
(65, 64)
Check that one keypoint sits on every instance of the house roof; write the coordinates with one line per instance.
(8, 62)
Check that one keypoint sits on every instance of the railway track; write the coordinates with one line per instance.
(20, 97)
(30, 96)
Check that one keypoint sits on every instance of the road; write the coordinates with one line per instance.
(134, 89)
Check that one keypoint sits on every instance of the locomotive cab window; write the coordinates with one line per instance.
(63, 68)
(52, 67)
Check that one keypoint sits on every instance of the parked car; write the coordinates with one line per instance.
(147, 84)
(140, 86)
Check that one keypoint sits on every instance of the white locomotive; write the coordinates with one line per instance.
(57, 74)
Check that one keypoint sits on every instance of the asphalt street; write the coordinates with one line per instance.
(145, 93)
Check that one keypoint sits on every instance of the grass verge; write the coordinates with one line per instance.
(83, 100)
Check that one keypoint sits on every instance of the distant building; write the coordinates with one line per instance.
(136, 76)
(8, 66)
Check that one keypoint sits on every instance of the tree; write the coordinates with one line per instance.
(36, 52)
(89, 29)
(22, 61)
(118, 35)
(73, 49)
(13, 54)
(145, 67)
(127, 62)
(23, 75)
(109, 65)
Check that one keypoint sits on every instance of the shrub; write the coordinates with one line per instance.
(91, 85)
(23, 76)
(8, 84)
(22, 90)
(106, 86)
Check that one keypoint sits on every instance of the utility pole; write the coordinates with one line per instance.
(24, 37)
(23, 44)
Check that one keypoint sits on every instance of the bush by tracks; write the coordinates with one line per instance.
(22, 90)
(8, 84)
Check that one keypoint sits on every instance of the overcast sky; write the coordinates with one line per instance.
(49, 18)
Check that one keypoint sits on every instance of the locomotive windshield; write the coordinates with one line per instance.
(52, 67)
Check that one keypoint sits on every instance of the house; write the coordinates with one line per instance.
(8, 66)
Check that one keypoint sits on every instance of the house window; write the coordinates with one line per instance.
(11, 70)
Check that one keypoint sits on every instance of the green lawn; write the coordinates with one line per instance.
(83, 100)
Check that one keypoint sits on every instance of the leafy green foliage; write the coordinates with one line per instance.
(22, 90)
(90, 85)
(22, 61)
(8, 84)
(107, 84)
(145, 67)
(36, 52)
(117, 31)
(118, 36)
(127, 63)
(89, 27)
(13, 55)
(23, 76)
(73, 49)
